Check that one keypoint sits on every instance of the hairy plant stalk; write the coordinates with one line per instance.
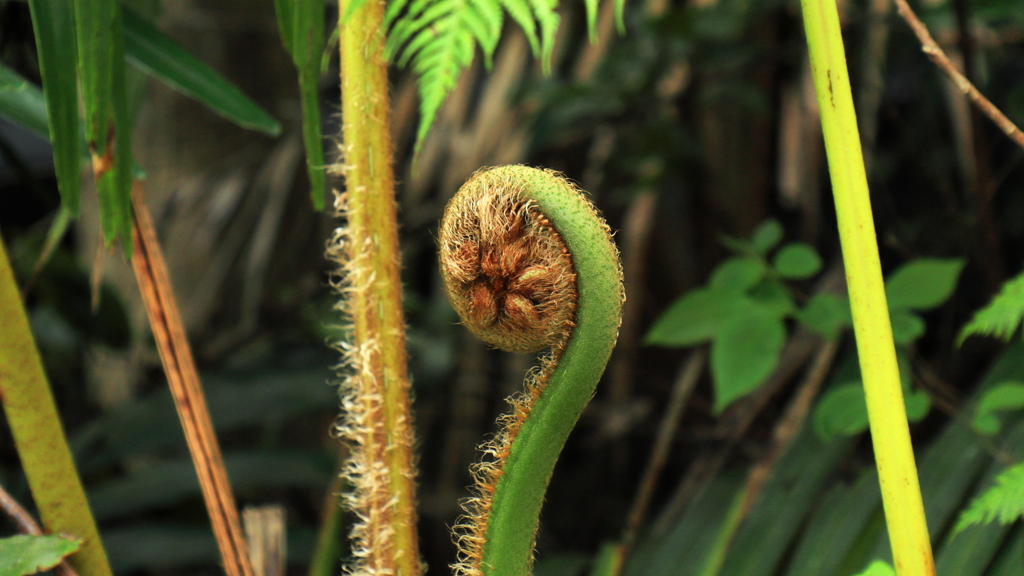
(890, 433)
(38, 434)
(376, 405)
(529, 265)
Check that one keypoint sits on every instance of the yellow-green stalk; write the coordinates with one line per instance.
(38, 434)
(890, 434)
(375, 400)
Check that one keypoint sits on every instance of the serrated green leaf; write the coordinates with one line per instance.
(155, 53)
(841, 411)
(54, 27)
(744, 352)
(1001, 316)
(1003, 502)
(101, 69)
(1002, 397)
(696, 317)
(437, 38)
(736, 274)
(826, 314)
(923, 284)
(906, 326)
(878, 568)
(766, 236)
(797, 261)
(24, 554)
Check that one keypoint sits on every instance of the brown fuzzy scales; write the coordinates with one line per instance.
(510, 277)
(362, 423)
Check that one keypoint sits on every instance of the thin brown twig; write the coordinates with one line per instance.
(936, 54)
(183, 379)
(684, 385)
(27, 525)
(22, 519)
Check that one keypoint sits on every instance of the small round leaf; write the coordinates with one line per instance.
(797, 261)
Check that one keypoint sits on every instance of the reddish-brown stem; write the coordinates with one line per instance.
(183, 379)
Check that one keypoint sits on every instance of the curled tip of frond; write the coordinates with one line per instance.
(507, 270)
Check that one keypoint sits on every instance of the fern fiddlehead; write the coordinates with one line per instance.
(529, 265)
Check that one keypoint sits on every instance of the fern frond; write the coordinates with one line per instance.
(1003, 502)
(438, 39)
(1002, 316)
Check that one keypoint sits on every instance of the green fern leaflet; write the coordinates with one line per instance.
(1003, 502)
(1002, 316)
(438, 39)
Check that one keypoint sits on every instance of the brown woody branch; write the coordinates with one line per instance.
(938, 56)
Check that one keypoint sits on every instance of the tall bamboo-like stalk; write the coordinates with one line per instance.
(375, 398)
(890, 433)
(38, 433)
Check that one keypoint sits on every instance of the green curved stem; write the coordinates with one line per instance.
(519, 493)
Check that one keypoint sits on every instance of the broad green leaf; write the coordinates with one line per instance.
(797, 261)
(23, 554)
(736, 274)
(744, 352)
(1003, 502)
(156, 54)
(766, 236)
(841, 412)
(1003, 397)
(773, 296)
(906, 326)
(923, 284)
(826, 314)
(917, 403)
(101, 69)
(1002, 315)
(878, 568)
(22, 102)
(696, 317)
(54, 27)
